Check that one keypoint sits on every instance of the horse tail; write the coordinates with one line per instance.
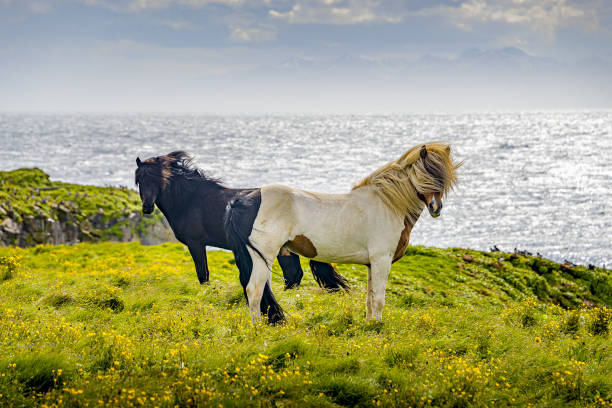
(239, 218)
(328, 277)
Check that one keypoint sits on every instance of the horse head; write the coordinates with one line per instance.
(152, 177)
(436, 174)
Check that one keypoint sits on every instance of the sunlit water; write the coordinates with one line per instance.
(535, 181)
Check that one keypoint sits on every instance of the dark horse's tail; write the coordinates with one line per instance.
(327, 276)
(239, 218)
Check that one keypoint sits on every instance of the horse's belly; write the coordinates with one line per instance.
(332, 237)
(323, 250)
(329, 247)
(356, 257)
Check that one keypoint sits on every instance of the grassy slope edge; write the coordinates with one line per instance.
(29, 192)
(126, 325)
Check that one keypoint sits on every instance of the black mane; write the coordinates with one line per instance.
(176, 170)
(181, 166)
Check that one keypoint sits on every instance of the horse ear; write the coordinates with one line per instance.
(138, 162)
(423, 152)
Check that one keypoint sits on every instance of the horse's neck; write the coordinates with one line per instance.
(369, 194)
(176, 206)
(167, 206)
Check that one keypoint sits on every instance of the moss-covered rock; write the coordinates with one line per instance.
(35, 210)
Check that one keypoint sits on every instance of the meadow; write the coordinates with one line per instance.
(120, 324)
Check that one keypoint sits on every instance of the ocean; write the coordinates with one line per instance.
(536, 181)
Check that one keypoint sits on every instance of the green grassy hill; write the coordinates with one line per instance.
(31, 192)
(127, 325)
(35, 210)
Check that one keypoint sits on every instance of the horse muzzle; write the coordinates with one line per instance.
(147, 209)
(435, 208)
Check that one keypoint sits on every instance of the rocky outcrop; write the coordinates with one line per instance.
(65, 228)
(35, 210)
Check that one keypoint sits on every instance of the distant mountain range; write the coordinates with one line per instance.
(505, 61)
(505, 78)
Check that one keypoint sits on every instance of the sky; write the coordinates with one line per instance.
(241, 56)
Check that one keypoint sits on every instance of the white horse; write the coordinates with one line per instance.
(370, 225)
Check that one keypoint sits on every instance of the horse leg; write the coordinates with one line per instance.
(369, 295)
(380, 273)
(292, 270)
(255, 288)
(198, 253)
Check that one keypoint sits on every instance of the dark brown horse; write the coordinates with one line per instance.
(194, 205)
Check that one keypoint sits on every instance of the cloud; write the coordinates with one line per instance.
(156, 4)
(178, 24)
(143, 5)
(544, 16)
(339, 12)
(511, 41)
(39, 7)
(252, 34)
(33, 6)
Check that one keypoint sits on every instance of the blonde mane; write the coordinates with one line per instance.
(399, 182)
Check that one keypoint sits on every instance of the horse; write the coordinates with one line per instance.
(370, 225)
(194, 205)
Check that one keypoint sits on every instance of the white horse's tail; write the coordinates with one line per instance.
(240, 215)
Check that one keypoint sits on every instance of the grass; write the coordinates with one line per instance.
(113, 324)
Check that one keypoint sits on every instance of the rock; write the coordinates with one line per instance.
(127, 234)
(468, 258)
(62, 211)
(97, 221)
(157, 234)
(11, 226)
(63, 207)
(86, 225)
(566, 267)
(34, 230)
(55, 231)
(41, 237)
(62, 227)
